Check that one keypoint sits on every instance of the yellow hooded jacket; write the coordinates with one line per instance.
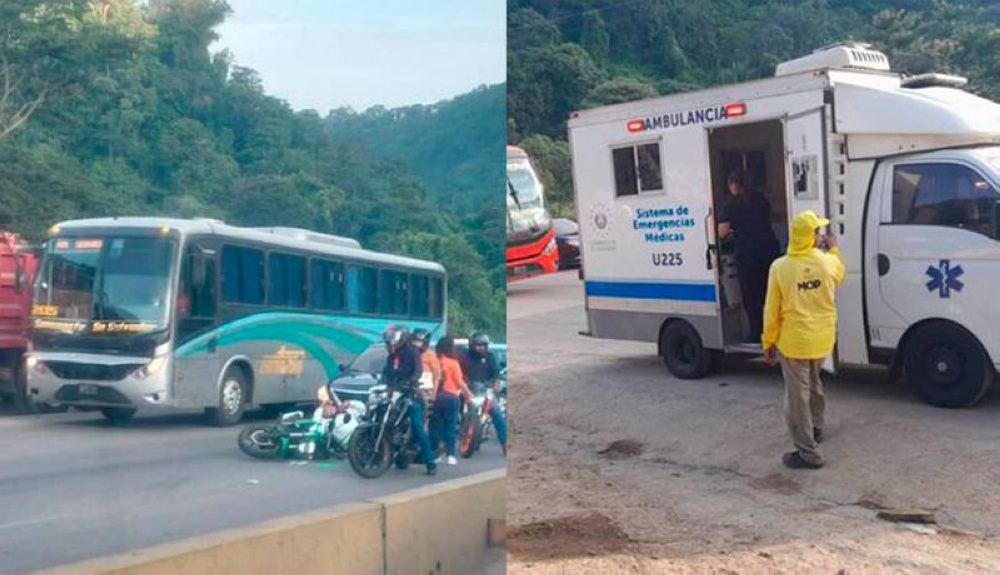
(800, 314)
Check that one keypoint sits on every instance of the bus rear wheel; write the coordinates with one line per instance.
(232, 399)
(948, 365)
(683, 352)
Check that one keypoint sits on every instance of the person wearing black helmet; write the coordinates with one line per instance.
(402, 370)
(481, 370)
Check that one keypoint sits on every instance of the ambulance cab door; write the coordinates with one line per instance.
(806, 154)
(937, 244)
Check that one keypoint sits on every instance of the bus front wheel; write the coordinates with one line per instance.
(232, 399)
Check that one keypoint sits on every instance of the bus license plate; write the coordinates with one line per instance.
(88, 389)
(520, 270)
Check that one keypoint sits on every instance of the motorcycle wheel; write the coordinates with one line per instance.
(367, 459)
(259, 442)
(469, 436)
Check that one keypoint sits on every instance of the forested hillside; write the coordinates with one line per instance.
(115, 107)
(564, 55)
(457, 149)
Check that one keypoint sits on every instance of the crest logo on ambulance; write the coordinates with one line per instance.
(678, 119)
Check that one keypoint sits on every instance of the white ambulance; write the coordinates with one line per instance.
(907, 170)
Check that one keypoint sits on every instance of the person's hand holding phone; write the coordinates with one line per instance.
(829, 241)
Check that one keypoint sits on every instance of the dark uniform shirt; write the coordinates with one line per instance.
(749, 214)
(480, 368)
(404, 366)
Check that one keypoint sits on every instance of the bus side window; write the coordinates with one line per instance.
(394, 293)
(353, 290)
(420, 292)
(326, 281)
(437, 298)
(362, 289)
(243, 275)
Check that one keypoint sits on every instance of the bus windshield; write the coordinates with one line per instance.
(112, 279)
(525, 199)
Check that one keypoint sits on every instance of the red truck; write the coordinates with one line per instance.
(18, 265)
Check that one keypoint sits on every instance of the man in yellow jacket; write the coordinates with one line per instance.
(800, 322)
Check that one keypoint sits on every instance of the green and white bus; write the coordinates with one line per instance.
(135, 313)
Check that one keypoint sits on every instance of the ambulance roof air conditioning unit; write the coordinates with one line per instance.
(850, 56)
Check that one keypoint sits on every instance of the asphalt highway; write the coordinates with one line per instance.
(74, 487)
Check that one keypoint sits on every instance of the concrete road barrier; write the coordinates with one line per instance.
(443, 528)
(438, 530)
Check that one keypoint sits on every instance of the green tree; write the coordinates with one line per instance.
(594, 37)
(618, 90)
(552, 82)
(50, 49)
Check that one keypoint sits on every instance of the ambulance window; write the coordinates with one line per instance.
(942, 194)
(637, 169)
(650, 174)
(626, 183)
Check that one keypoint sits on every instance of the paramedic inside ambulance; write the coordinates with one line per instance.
(745, 217)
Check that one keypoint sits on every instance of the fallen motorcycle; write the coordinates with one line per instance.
(295, 435)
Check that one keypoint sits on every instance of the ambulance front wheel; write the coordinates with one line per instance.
(683, 352)
(948, 365)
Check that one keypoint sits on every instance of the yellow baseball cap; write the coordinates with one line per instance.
(808, 222)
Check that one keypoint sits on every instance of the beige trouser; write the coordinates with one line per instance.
(804, 404)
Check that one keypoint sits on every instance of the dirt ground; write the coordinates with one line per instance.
(615, 467)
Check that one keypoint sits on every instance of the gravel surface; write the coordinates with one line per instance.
(616, 467)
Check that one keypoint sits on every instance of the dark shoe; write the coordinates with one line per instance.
(432, 470)
(818, 435)
(793, 460)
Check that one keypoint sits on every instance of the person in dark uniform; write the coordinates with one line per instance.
(745, 218)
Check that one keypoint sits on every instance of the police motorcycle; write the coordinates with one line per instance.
(294, 435)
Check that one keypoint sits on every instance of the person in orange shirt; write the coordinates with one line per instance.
(431, 363)
(448, 400)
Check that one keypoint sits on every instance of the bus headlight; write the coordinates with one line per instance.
(550, 247)
(31, 363)
(150, 369)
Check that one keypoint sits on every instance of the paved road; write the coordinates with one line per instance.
(73, 487)
(616, 467)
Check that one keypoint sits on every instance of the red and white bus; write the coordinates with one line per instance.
(531, 239)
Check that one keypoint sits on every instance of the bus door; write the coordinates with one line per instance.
(196, 363)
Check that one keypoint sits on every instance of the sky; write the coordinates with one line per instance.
(324, 54)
